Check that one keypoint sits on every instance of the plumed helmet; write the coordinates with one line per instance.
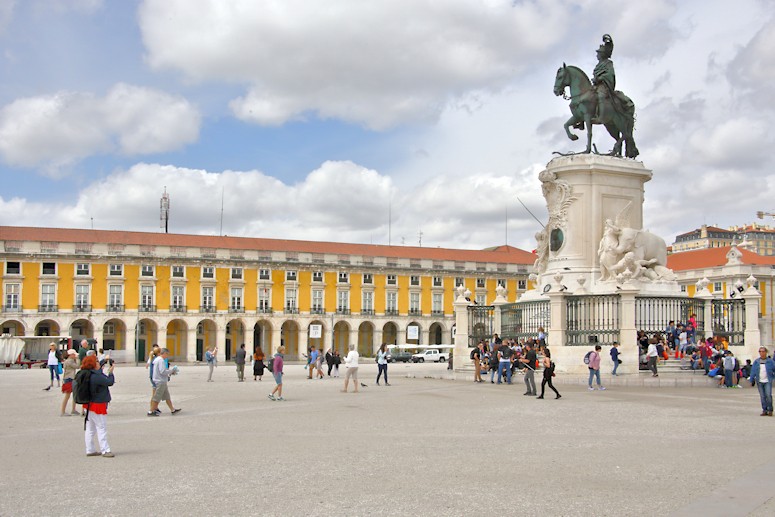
(607, 47)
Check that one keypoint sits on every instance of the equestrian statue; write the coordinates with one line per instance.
(598, 102)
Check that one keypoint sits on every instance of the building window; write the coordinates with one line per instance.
(208, 295)
(178, 271)
(178, 297)
(342, 301)
(13, 268)
(391, 280)
(49, 268)
(437, 306)
(437, 281)
(146, 270)
(683, 288)
(82, 269)
(116, 269)
(115, 298)
(522, 284)
(109, 329)
(343, 277)
(391, 302)
(501, 281)
(263, 274)
(367, 302)
(317, 276)
(48, 295)
(317, 301)
(414, 280)
(290, 300)
(480, 283)
(12, 292)
(146, 296)
(264, 295)
(368, 278)
(236, 273)
(414, 303)
(717, 287)
(290, 275)
(208, 272)
(459, 280)
(81, 296)
(481, 299)
(236, 298)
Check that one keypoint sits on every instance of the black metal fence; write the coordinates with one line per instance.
(522, 320)
(653, 313)
(479, 323)
(728, 321)
(592, 319)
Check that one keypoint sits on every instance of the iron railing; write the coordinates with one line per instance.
(522, 320)
(728, 320)
(653, 313)
(592, 319)
(479, 323)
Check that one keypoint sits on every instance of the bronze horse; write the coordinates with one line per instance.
(618, 117)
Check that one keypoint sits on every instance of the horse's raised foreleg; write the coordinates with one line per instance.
(571, 121)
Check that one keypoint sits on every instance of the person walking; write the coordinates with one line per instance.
(651, 357)
(530, 360)
(161, 377)
(548, 374)
(337, 360)
(762, 375)
(329, 361)
(352, 368)
(149, 365)
(313, 357)
(615, 357)
(382, 363)
(319, 364)
(54, 358)
(97, 409)
(277, 372)
(239, 359)
(504, 362)
(476, 355)
(212, 359)
(258, 363)
(70, 367)
(594, 368)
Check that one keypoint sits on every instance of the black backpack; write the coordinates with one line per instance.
(270, 364)
(473, 352)
(82, 387)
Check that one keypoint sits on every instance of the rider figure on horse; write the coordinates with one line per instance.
(604, 77)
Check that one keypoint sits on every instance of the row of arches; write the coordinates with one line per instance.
(187, 339)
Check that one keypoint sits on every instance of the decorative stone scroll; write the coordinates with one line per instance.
(559, 196)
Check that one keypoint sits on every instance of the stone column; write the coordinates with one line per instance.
(277, 334)
(220, 342)
(131, 344)
(460, 358)
(752, 334)
(354, 337)
(191, 344)
(98, 330)
(425, 337)
(707, 310)
(629, 350)
(500, 300)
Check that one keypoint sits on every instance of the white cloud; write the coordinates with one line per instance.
(57, 130)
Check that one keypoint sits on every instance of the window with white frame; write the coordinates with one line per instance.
(391, 280)
(178, 271)
(368, 278)
(116, 270)
(317, 299)
(146, 270)
(290, 275)
(109, 329)
(146, 296)
(236, 298)
(82, 269)
(115, 295)
(290, 299)
(81, 295)
(480, 299)
(414, 280)
(683, 288)
(367, 301)
(480, 283)
(459, 280)
(343, 301)
(344, 277)
(414, 302)
(48, 295)
(49, 268)
(208, 272)
(178, 296)
(12, 292)
(501, 281)
(208, 297)
(391, 301)
(263, 274)
(437, 303)
(264, 297)
(236, 273)
(317, 276)
(13, 268)
(437, 282)
(717, 287)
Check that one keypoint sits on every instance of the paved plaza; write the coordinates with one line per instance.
(423, 446)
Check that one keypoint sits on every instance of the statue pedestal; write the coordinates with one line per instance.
(582, 193)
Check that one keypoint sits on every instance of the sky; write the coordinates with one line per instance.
(402, 122)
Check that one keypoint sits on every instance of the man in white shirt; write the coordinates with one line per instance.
(351, 361)
(161, 376)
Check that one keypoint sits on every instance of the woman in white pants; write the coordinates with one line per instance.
(97, 415)
(351, 361)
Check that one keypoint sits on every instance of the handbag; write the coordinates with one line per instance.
(59, 368)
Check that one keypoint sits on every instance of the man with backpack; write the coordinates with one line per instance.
(592, 360)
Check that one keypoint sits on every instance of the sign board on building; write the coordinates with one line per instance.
(412, 332)
(315, 331)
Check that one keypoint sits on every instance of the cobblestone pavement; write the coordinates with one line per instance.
(423, 446)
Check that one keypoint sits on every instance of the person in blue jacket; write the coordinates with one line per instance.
(763, 374)
(615, 356)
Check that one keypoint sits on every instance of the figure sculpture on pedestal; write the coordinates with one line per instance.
(598, 102)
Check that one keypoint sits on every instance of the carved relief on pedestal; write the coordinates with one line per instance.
(559, 196)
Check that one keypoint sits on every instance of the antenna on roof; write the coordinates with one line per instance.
(164, 211)
(420, 236)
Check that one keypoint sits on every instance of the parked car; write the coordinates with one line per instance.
(399, 356)
(430, 355)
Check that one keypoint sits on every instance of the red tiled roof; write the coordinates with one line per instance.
(713, 257)
(709, 228)
(500, 254)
